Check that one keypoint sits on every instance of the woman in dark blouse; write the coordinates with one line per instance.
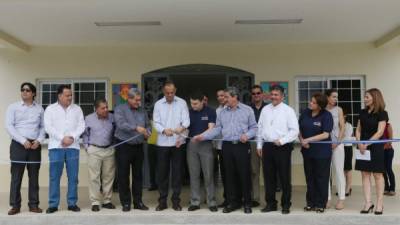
(371, 126)
(316, 124)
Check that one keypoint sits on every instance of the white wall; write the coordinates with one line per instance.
(268, 62)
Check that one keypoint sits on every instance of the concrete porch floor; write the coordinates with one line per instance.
(350, 215)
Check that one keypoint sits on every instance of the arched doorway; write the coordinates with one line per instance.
(207, 78)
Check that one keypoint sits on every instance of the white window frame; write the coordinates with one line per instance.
(328, 79)
(71, 82)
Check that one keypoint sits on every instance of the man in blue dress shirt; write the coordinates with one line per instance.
(237, 125)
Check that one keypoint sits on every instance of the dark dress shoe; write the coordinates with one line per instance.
(74, 208)
(247, 210)
(126, 208)
(193, 207)
(285, 211)
(161, 207)
(95, 208)
(177, 207)
(14, 211)
(230, 208)
(223, 205)
(108, 206)
(35, 210)
(269, 208)
(140, 206)
(51, 210)
(255, 204)
(213, 208)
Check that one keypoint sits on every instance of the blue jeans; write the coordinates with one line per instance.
(57, 158)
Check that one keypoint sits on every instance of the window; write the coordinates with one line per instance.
(84, 92)
(350, 89)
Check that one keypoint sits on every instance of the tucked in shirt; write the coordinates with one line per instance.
(277, 123)
(127, 120)
(199, 120)
(314, 125)
(25, 122)
(170, 116)
(232, 123)
(60, 122)
(99, 131)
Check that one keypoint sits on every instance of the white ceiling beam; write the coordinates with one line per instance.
(10, 41)
(387, 38)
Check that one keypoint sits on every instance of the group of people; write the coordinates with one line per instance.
(235, 139)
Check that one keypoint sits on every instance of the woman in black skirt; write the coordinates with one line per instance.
(371, 126)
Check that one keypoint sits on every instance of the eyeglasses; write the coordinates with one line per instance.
(25, 90)
(256, 93)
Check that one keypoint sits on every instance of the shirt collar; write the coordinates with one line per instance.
(165, 99)
(33, 103)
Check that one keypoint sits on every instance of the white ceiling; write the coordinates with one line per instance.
(71, 22)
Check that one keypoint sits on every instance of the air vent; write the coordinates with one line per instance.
(128, 23)
(277, 21)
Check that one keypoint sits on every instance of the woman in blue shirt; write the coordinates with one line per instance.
(316, 124)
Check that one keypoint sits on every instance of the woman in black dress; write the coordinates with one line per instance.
(371, 126)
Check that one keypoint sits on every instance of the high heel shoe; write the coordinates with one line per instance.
(370, 209)
(379, 212)
(349, 193)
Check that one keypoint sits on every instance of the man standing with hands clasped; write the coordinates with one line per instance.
(277, 128)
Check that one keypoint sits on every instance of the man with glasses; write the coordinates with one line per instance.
(257, 104)
(24, 123)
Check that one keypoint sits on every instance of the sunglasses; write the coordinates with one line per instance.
(25, 90)
(256, 93)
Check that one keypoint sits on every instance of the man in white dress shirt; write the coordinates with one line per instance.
(64, 122)
(277, 128)
(171, 120)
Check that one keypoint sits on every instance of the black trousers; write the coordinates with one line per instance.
(152, 154)
(220, 169)
(236, 158)
(317, 173)
(277, 163)
(169, 157)
(19, 153)
(130, 157)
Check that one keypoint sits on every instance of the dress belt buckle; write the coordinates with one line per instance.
(235, 142)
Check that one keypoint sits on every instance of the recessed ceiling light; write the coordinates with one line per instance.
(276, 21)
(127, 23)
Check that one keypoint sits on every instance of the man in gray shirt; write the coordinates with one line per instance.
(24, 123)
(132, 125)
(97, 140)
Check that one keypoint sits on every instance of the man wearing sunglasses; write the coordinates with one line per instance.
(24, 123)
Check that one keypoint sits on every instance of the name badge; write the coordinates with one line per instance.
(318, 124)
(204, 118)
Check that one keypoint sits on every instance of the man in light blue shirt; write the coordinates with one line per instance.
(237, 124)
(171, 120)
(24, 123)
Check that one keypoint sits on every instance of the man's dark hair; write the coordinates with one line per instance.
(168, 83)
(277, 88)
(197, 96)
(256, 86)
(98, 102)
(62, 87)
(31, 87)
